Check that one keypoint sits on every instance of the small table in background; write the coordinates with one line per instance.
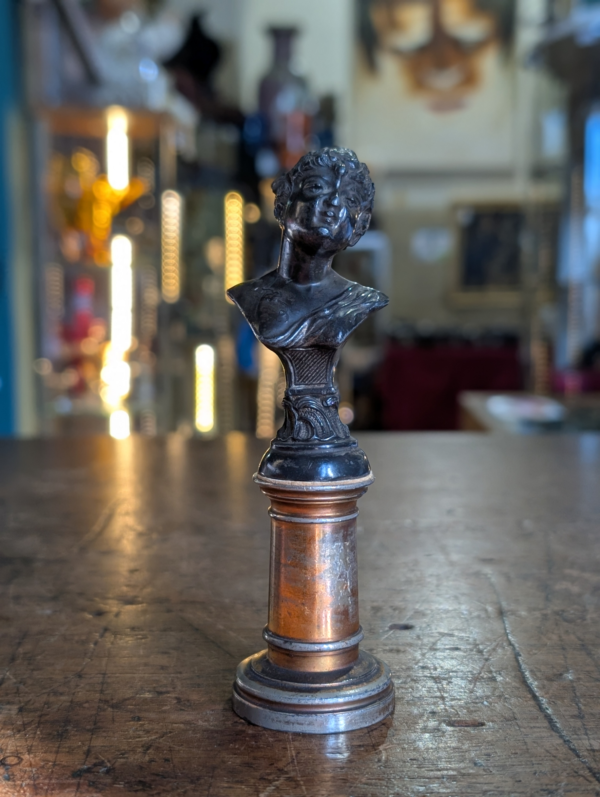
(483, 411)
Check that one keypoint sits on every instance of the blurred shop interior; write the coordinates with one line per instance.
(139, 141)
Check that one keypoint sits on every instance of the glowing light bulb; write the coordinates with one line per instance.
(205, 388)
(117, 148)
(116, 372)
(121, 295)
(119, 426)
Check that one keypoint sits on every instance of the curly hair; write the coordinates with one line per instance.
(334, 157)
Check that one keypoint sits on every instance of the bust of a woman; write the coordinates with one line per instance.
(303, 310)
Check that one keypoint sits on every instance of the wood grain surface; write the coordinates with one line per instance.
(133, 579)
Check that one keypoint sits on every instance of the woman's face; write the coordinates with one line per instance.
(325, 210)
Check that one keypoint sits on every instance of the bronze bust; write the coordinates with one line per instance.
(313, 677)
(304, 311)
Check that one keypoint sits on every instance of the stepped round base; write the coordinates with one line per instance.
(283, 700)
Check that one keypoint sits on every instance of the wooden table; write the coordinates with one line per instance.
(133, 578)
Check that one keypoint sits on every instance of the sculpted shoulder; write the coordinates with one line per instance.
(267, 303)
(372, 297)
(284, 314)
(247, 295)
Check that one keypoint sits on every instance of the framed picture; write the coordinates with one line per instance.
(489, 259)
(497, 243)
(434, 85)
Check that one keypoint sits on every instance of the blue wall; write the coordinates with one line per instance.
(8, 100)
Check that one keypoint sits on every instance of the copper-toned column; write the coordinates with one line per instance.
(313, 597)
(312, 677)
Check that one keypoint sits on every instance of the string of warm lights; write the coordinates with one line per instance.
(116, 373)
(205, 388)
(234, 239)
(171, 245)
(269, 369)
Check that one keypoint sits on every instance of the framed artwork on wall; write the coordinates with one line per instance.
(497, 244)
(489, 255)
(434, 85)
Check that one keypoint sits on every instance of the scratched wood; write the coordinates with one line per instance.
(133, 578)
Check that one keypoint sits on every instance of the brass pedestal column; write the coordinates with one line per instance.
(313, 678)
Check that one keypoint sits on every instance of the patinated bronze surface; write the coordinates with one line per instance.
(131, 585)
(312, 677)
(304, 311)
